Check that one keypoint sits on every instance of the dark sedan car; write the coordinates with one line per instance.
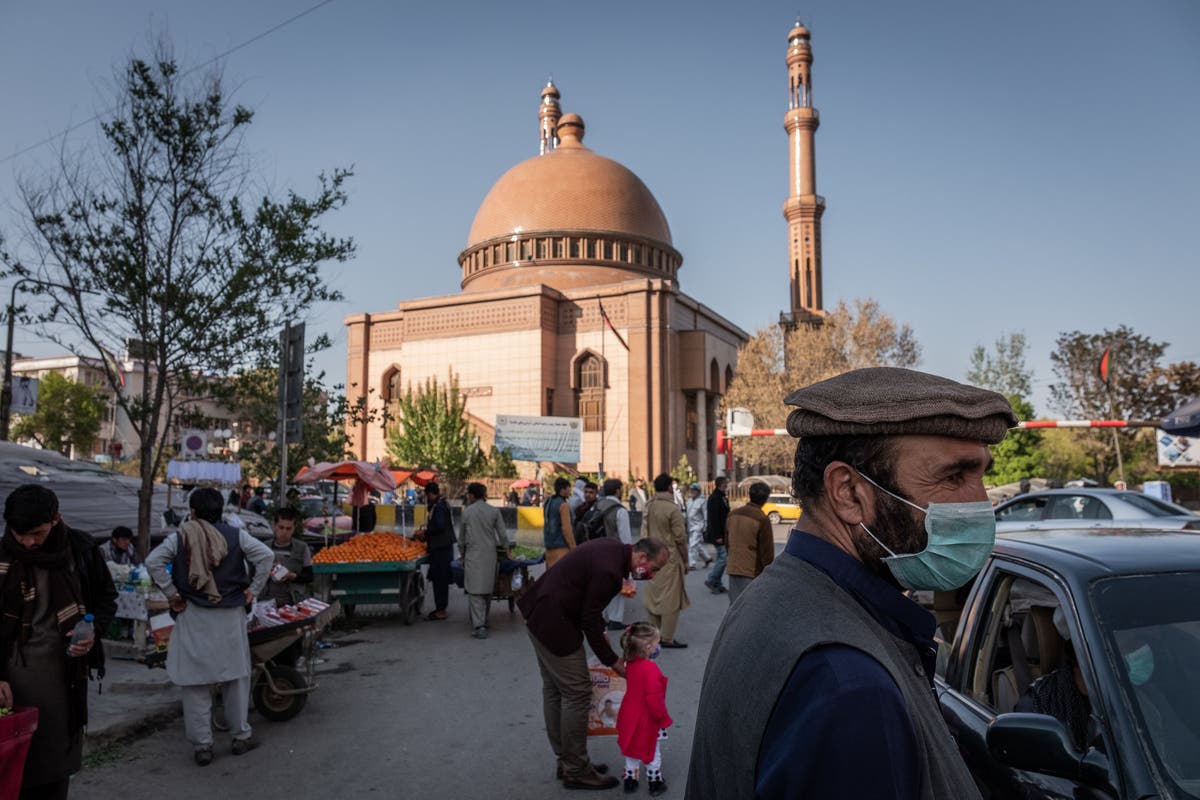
(1069, 670)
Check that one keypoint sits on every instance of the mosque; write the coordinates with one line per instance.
(571, 305)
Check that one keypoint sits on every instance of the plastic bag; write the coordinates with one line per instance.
(518, 580)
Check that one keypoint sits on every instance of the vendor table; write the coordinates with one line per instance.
(386, 582)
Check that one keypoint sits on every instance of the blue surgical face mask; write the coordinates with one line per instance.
(1141, 665)
(653, 654)
(960, 539)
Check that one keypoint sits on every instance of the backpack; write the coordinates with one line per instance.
(592, 525)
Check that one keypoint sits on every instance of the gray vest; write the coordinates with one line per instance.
(791, 608)
(231, 575)
(293, 560)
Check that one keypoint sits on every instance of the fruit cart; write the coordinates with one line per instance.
(374, 568)
(385, 582)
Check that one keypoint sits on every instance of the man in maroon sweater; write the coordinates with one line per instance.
(564, 605)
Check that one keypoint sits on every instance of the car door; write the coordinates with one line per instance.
(969, 688)
(1077, 511)
(1023, 513)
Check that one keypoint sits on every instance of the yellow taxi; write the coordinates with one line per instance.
(781, 508)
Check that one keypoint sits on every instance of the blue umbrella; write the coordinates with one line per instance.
(1185, 420)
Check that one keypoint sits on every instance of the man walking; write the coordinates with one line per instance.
(482, 538)
(666, 595)
(560, 609)
(751, 542)
(824, 665)
(438, 534)
(558, 534)
(718, 510)
(696, 517)
(50, 576)
(209, 588)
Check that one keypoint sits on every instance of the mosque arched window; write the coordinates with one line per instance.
(393, 391)
(590, 392)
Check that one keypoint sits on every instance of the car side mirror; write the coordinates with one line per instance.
(1034, 742)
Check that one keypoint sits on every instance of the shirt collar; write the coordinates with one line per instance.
(887, 604)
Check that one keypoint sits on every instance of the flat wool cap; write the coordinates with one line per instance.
(889, 401)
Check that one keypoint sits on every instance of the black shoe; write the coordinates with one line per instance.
(613, 625)
(630, 785)
(717, 588)
(657, 787)
(204, 756)
(243, 746)
(675, 643)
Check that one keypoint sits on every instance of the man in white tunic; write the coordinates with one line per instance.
(482, 537)
(209, 588)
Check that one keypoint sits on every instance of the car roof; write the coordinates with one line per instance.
(1092, 552)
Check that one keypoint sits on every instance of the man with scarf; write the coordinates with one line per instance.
(50, 576)
(209, 588)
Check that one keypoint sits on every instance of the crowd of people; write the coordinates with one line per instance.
(823, 662)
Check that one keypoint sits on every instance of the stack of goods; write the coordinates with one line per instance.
(368, 547)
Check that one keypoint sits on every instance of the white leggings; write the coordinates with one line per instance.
(652, 768)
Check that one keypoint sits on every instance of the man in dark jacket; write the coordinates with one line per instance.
(438, 533)
(561, 608)
(718, 511)
(824, 667)
(50, 576)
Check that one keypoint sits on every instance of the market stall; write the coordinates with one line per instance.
(375, 568)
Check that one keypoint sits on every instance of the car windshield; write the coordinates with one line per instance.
(1152, 633)
(312, 506)
(1152, 505)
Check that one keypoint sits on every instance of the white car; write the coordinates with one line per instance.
(1091, 508)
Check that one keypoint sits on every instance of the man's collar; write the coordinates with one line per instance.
(883, 601)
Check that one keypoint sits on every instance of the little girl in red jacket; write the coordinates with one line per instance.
(643, 718)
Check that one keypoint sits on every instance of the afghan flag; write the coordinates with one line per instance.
(608, 323)
(1102, 368)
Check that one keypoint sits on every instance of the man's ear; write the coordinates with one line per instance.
(846, 494)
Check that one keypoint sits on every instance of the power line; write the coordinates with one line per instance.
(211, 61)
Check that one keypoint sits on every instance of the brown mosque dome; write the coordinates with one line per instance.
(588, 217)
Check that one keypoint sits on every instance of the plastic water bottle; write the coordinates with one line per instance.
(83, 630)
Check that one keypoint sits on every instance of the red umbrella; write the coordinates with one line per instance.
(523, 483)
(419, 478)
(376, 476)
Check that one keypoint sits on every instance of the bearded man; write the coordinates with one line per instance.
(824, 667)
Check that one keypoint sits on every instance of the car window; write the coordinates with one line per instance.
(1077, 506)
(1152, 632)
(781, 499)
(1022, 510)
(1152, 505)
(1024, 659)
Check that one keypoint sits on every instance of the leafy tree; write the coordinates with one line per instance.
(1138, 389)
(500, 464)
(68, 416)
(159, 243)
(432, 430)
(773, 363)
(683, 472)
(1004, 371)
(1020, 455)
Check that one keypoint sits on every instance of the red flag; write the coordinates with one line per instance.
(1103, 368)
(608, 322)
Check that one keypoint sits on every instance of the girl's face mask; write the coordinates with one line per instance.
(654, 651)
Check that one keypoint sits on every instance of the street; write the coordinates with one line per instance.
(424, 710)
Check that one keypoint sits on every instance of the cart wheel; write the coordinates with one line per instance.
(280, 707)
(412, 596)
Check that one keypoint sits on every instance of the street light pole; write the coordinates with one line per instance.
(6, 390)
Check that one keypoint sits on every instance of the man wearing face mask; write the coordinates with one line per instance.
(824, 665)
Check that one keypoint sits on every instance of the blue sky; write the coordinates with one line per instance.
(988, 167)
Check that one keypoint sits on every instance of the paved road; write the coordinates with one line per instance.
(420, 711)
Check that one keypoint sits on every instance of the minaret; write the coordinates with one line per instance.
(803, 207)
(548, 114)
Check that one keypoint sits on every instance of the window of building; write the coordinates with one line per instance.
(590, 395)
